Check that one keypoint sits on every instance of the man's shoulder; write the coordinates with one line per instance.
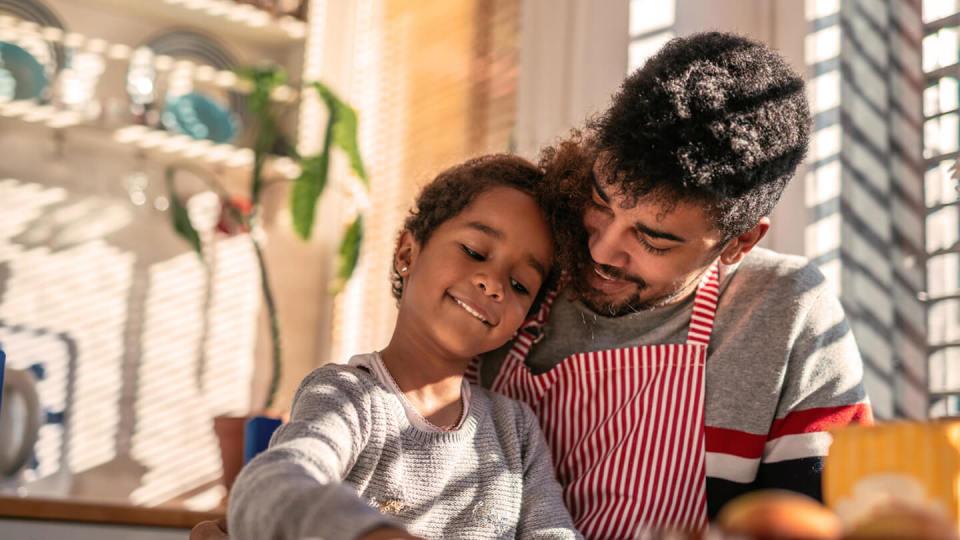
(779, 274)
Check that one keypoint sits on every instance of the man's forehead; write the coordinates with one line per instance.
(659, 204)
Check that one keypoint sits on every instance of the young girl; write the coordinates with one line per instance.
(396, 444)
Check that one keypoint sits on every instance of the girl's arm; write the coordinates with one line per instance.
(542, 514)
(295, 488)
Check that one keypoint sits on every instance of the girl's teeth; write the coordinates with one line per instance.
(470, 310)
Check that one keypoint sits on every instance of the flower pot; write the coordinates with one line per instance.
(229, 430)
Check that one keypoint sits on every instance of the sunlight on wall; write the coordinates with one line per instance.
(138, 351)
(364, 315)
(177, 394)
(651, 26)
(80, 291)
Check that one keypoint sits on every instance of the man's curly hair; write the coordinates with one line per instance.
(712, 118)
(455, 188)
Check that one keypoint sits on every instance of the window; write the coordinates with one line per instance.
(941, 132)
(651, 26)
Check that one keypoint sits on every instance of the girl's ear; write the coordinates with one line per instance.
(406, 254)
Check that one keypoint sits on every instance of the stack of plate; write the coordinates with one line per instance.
(211, 115)
(28, 64)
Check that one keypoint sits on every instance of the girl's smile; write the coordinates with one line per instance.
(470, 285)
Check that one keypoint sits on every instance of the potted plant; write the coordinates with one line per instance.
(243, 214)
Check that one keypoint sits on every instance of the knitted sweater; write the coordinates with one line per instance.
(349, 461)
(782, 369)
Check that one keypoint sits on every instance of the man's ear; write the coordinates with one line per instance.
(738, 248)
(406, 254)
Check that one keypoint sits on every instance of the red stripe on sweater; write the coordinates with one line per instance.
(735, 443)
(821, 419)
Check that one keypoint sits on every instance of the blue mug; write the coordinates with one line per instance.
(256, 435)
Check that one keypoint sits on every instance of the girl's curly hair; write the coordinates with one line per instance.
(455, 188)
(564, 193)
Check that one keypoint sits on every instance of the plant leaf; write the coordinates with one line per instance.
(180, 218)
(264, 80)
(306, 191)
(349, 254)
(344, 126)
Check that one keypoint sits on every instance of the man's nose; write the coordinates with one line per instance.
(606, 247)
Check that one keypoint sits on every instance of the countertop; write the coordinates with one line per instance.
(77, 511)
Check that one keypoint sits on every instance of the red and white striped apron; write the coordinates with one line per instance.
(625, 426)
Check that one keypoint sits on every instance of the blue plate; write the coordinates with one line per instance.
(21, 75)
(200, 117)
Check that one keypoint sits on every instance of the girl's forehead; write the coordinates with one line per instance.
(508, 214)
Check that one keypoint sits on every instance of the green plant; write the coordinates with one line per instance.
(341, 132)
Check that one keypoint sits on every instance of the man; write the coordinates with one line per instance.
(678, 351)
(680, 366)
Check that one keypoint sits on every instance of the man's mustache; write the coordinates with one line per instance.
(617, 273)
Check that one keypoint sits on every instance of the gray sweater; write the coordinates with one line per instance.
(349, 461)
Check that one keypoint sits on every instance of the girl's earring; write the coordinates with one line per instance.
(403, 270)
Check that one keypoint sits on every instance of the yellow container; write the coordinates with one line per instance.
(908, 463)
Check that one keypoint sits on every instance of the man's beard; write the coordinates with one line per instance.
(607, 308)
(600, 304)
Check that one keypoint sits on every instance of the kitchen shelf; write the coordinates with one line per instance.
(160, 145)
(13, 28)
(225, 17)
(166, 147)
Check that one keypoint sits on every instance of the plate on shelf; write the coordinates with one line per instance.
(200, 117)
(200, 110)
(193, 46)
(51, 55)
(21, 75)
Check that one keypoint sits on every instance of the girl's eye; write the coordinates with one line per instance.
(650, 247)
(517, 286)
(472, 254)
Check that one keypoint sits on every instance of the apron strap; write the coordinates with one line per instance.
(529, 334)
(705, 307)
(532, 329)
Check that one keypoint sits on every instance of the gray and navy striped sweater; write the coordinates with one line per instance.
(782, 369)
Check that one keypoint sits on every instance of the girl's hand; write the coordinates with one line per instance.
(210, 530)
(388, 533)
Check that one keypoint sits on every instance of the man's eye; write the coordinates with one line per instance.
(517, 286)
(650, 247)
(472, 254)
